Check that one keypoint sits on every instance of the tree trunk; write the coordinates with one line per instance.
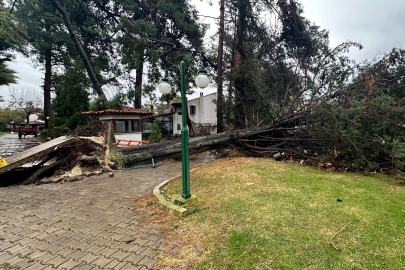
(173, 148)
(239, 82)
(220, 100)
(138, 84)
(245, 139)
(79, 48)
(47, 84)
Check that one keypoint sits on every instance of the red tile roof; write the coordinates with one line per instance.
(125, 110)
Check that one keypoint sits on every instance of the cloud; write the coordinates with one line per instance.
(378, 25)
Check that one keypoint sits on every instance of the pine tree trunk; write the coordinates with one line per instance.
(79, 48)
(47, 84)
(243, 139)
(138, 84)
(239, 84)
(220, 100)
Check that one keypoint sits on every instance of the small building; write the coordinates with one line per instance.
(126, 122)
(201, 111)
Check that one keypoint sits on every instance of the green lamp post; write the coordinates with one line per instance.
(201, 81)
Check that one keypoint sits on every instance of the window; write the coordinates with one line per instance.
(126, 126)
(178, 127)
(120, 126)
(192, 109)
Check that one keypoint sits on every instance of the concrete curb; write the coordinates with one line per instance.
(170, 207)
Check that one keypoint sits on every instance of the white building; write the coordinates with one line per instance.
(126, 122)
(202, 112)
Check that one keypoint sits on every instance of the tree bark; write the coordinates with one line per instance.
(79, 48)
(220, 100)
(239, 82)
(47, 84)
(138, 84)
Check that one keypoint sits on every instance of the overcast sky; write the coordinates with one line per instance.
(378, 25)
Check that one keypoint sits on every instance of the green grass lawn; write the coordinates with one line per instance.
(2, 133)
(260, 214)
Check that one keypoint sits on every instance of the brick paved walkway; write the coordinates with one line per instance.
(82, 225)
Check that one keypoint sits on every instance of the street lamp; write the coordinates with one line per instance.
(165, 88)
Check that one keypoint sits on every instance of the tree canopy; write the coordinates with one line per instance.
(12, 37)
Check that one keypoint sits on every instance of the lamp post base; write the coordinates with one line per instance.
(182, 201)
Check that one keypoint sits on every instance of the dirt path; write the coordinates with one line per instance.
(83, 225)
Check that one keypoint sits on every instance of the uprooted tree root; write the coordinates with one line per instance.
(85, 153)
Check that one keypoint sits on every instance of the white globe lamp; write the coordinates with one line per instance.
(202, 80)
(164, 86)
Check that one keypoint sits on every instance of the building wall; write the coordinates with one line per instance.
(205, 112)
(210, 109)
(129, 136)
(177, 121)
(119, 116)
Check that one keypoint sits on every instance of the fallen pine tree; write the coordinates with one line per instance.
(257, 141)
(350, 116)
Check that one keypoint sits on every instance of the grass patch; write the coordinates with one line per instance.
(260, 214)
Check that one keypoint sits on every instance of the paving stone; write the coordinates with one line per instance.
(95, 249)
(147, 262)
(84, 267)
(78, 254)
(37, 253)
(89, 258)
(137, 249)
(25, 241)
(134, 258)
(4, 256)
(26, 263)
(112, 264)
(56, 261)
(36, 266)
(152, 244)
(154, 238)
(6, 245)
(149, 252)
(83, 246)
(120, 255)
(131, 267)
(15, 260)
(120, 265)
(46, 257)
(140, 242)
(69, 264)
(72, 244)
(102, 261)
(49, 247)
(107, 252)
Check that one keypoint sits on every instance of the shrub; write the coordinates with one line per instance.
(155, 135)
(117, 157)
